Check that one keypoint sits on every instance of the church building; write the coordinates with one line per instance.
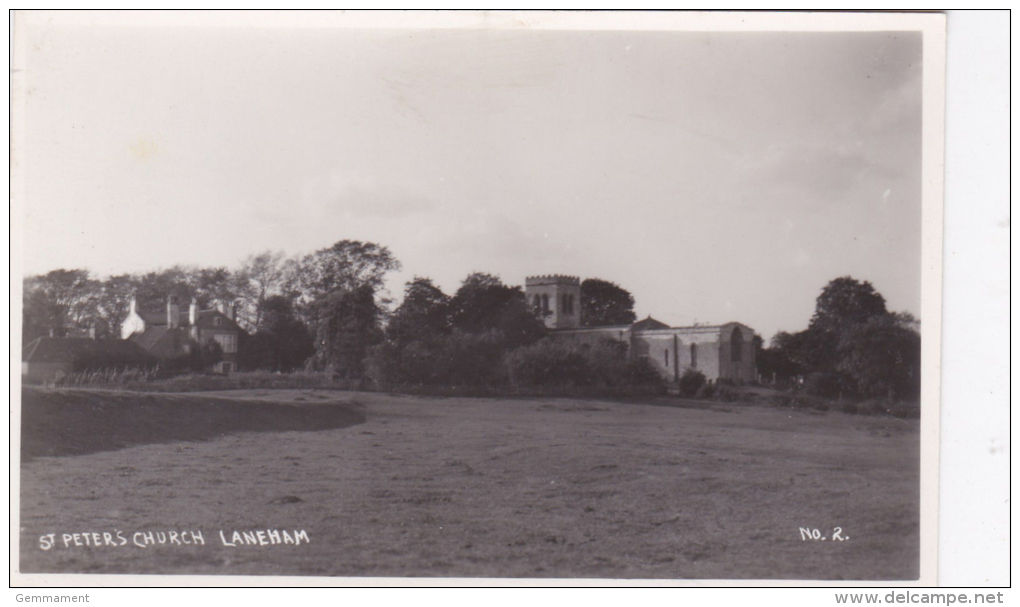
(724, 351)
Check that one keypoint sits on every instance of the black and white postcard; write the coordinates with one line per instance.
(518, 297)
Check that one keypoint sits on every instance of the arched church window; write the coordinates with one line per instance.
(694, 356)
(545, 302)
(536, 302)
(736, 345)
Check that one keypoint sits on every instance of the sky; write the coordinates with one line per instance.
(718, 176)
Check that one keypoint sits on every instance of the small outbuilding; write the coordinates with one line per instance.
(47, 358)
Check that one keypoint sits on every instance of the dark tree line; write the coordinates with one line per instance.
(319, 309)
(71, 302)
(486, 335)
(436, 339)
(323, 311)
(853, 346)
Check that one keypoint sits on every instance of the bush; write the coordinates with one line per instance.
(691, 382)
(707, 390)
(481, 363)
(640, 372)
(108, 377)
(726, 393)
(880, 406)
(550, 363)
(881, 358)
(873, 407)
(457, 359)
(604, 366)
(472, 359)
(156, 380)
(826, 385)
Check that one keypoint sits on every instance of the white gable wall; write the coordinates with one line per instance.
(131, 325)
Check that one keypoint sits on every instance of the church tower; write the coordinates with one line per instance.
(556, 298)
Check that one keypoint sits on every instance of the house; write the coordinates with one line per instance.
(47, 358)
(176, 332)
(723, 351)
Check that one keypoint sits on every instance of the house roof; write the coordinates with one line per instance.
(80, 350)
(148, 338)
(162, 341)
(157, 318)
(205, 319)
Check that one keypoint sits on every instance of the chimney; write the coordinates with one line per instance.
(173, 312)
(92, 331)
(193, 312)
(232, 311)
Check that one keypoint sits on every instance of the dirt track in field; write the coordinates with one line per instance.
(409, 486)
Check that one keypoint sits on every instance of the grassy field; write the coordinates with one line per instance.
(413, 486)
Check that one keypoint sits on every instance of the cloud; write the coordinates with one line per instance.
(336, 196)
(816, 169)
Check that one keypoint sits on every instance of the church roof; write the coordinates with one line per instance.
(647, 324)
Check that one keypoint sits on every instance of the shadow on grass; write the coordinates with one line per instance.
(75, 422)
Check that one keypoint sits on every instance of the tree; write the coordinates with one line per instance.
(882, 355)
(348, 265)
(853, 345)
(60, 302)
(152, 288)
(844, 303)
(283, 343)
(211, 285)
(777, 361)
(40, 315)
(335, 291)
(423, 315)
(462, 340)
(906, 320)
(483, 303)
(348, 325)
(206, 285)
(805, 350)
(605, 303)
(114, 300)
(259, 277)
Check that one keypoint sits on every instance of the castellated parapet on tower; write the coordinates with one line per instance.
(557, 298)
